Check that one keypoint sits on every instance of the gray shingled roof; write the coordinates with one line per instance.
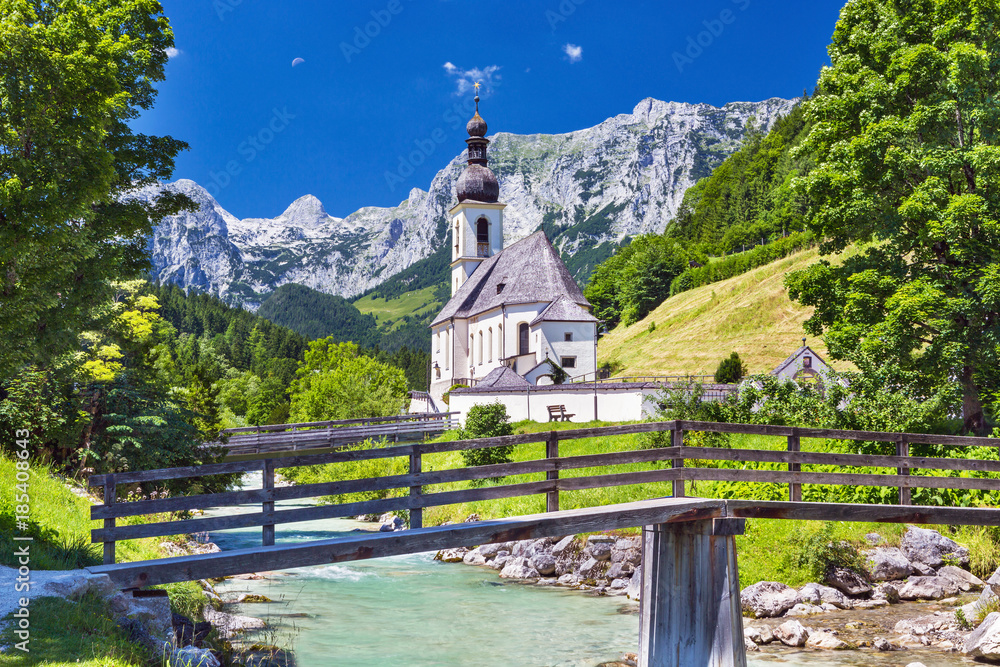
(503, 378)
(563, 310)
(530, 271)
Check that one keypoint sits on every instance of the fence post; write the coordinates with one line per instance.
(416, 513)
(267, 533)
(677, 440)
(903, 449)
(552, 452)
(794, 490)
(110, 498)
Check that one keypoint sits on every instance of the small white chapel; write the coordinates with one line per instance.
(514, 311)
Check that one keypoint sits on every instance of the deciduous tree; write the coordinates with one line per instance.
(73, 74)
(905, 130)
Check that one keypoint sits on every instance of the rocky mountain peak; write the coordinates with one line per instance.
(588, 190)
(305, 211)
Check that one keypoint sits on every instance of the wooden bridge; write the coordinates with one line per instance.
(253, 441)
(688, 543)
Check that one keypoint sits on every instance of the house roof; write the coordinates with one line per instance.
(530, 272)
(503, 378)
(795, 355)
(563, 309)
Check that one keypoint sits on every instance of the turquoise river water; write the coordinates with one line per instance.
(412, 611)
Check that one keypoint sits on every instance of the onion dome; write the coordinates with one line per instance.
(477, 182)
(476, 126)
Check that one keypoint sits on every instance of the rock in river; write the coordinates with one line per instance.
(768, 599)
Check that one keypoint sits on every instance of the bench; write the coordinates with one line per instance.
(557, 413)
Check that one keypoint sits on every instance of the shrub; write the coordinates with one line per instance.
(487, 421)
(731, 370)
(559, 374)
(447, 395)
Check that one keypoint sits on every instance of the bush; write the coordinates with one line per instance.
(447, 395)
(738, 264)
(487, 421)
(559, 374)
(731, 370)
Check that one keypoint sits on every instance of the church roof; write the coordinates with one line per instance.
(503, 378)
(563, 310)
(529, 271)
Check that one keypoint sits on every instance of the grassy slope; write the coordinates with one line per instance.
(750, 314)
(68, 633)
(418, 303)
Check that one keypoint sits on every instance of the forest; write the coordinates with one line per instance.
(746, 204)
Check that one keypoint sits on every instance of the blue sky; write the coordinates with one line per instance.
(379, 105)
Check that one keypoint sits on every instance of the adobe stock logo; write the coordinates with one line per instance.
(363, 35)
(714, 28)
(254, 145)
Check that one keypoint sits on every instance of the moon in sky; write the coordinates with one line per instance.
(297, 61)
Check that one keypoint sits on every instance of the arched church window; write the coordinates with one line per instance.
(480, 348)
(524, 338)
(489, 345)
(483, 237)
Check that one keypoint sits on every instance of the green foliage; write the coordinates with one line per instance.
(335, 381)
(348, 470)
(447, 394)
(136, 426)
(487, 421)
(748, 200)
(72, 78)
(318, 315)
(903, 130)
(558, 373)
(738, 264)
(818, 551)
(731, 370)
(636, 279)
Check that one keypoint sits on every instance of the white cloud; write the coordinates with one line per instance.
(172, 52)
(573, 53)
(466, 79)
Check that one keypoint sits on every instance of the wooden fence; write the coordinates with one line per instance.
(678, 455)
(252, 440)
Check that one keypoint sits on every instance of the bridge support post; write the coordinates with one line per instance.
(690, 612)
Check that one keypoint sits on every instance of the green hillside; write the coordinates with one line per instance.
(750, 313)
(390, 313)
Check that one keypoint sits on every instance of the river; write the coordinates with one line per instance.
(412, 611)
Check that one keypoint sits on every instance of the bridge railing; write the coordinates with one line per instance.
(250, 440)
(677, 455)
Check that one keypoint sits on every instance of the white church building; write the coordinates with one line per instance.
(513, 309)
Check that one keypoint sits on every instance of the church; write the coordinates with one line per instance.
(514, 311)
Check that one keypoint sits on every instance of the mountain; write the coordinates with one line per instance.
(589, 190)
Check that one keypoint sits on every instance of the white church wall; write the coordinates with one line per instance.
(612, 404)
(580, 347)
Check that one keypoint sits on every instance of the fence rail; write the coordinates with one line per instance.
(678, 455)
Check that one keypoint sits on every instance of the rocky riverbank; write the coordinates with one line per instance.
(917, 596)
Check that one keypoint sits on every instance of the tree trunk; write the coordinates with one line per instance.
(972, 405)
(93, 407)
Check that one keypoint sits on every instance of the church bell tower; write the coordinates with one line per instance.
(476, 223)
